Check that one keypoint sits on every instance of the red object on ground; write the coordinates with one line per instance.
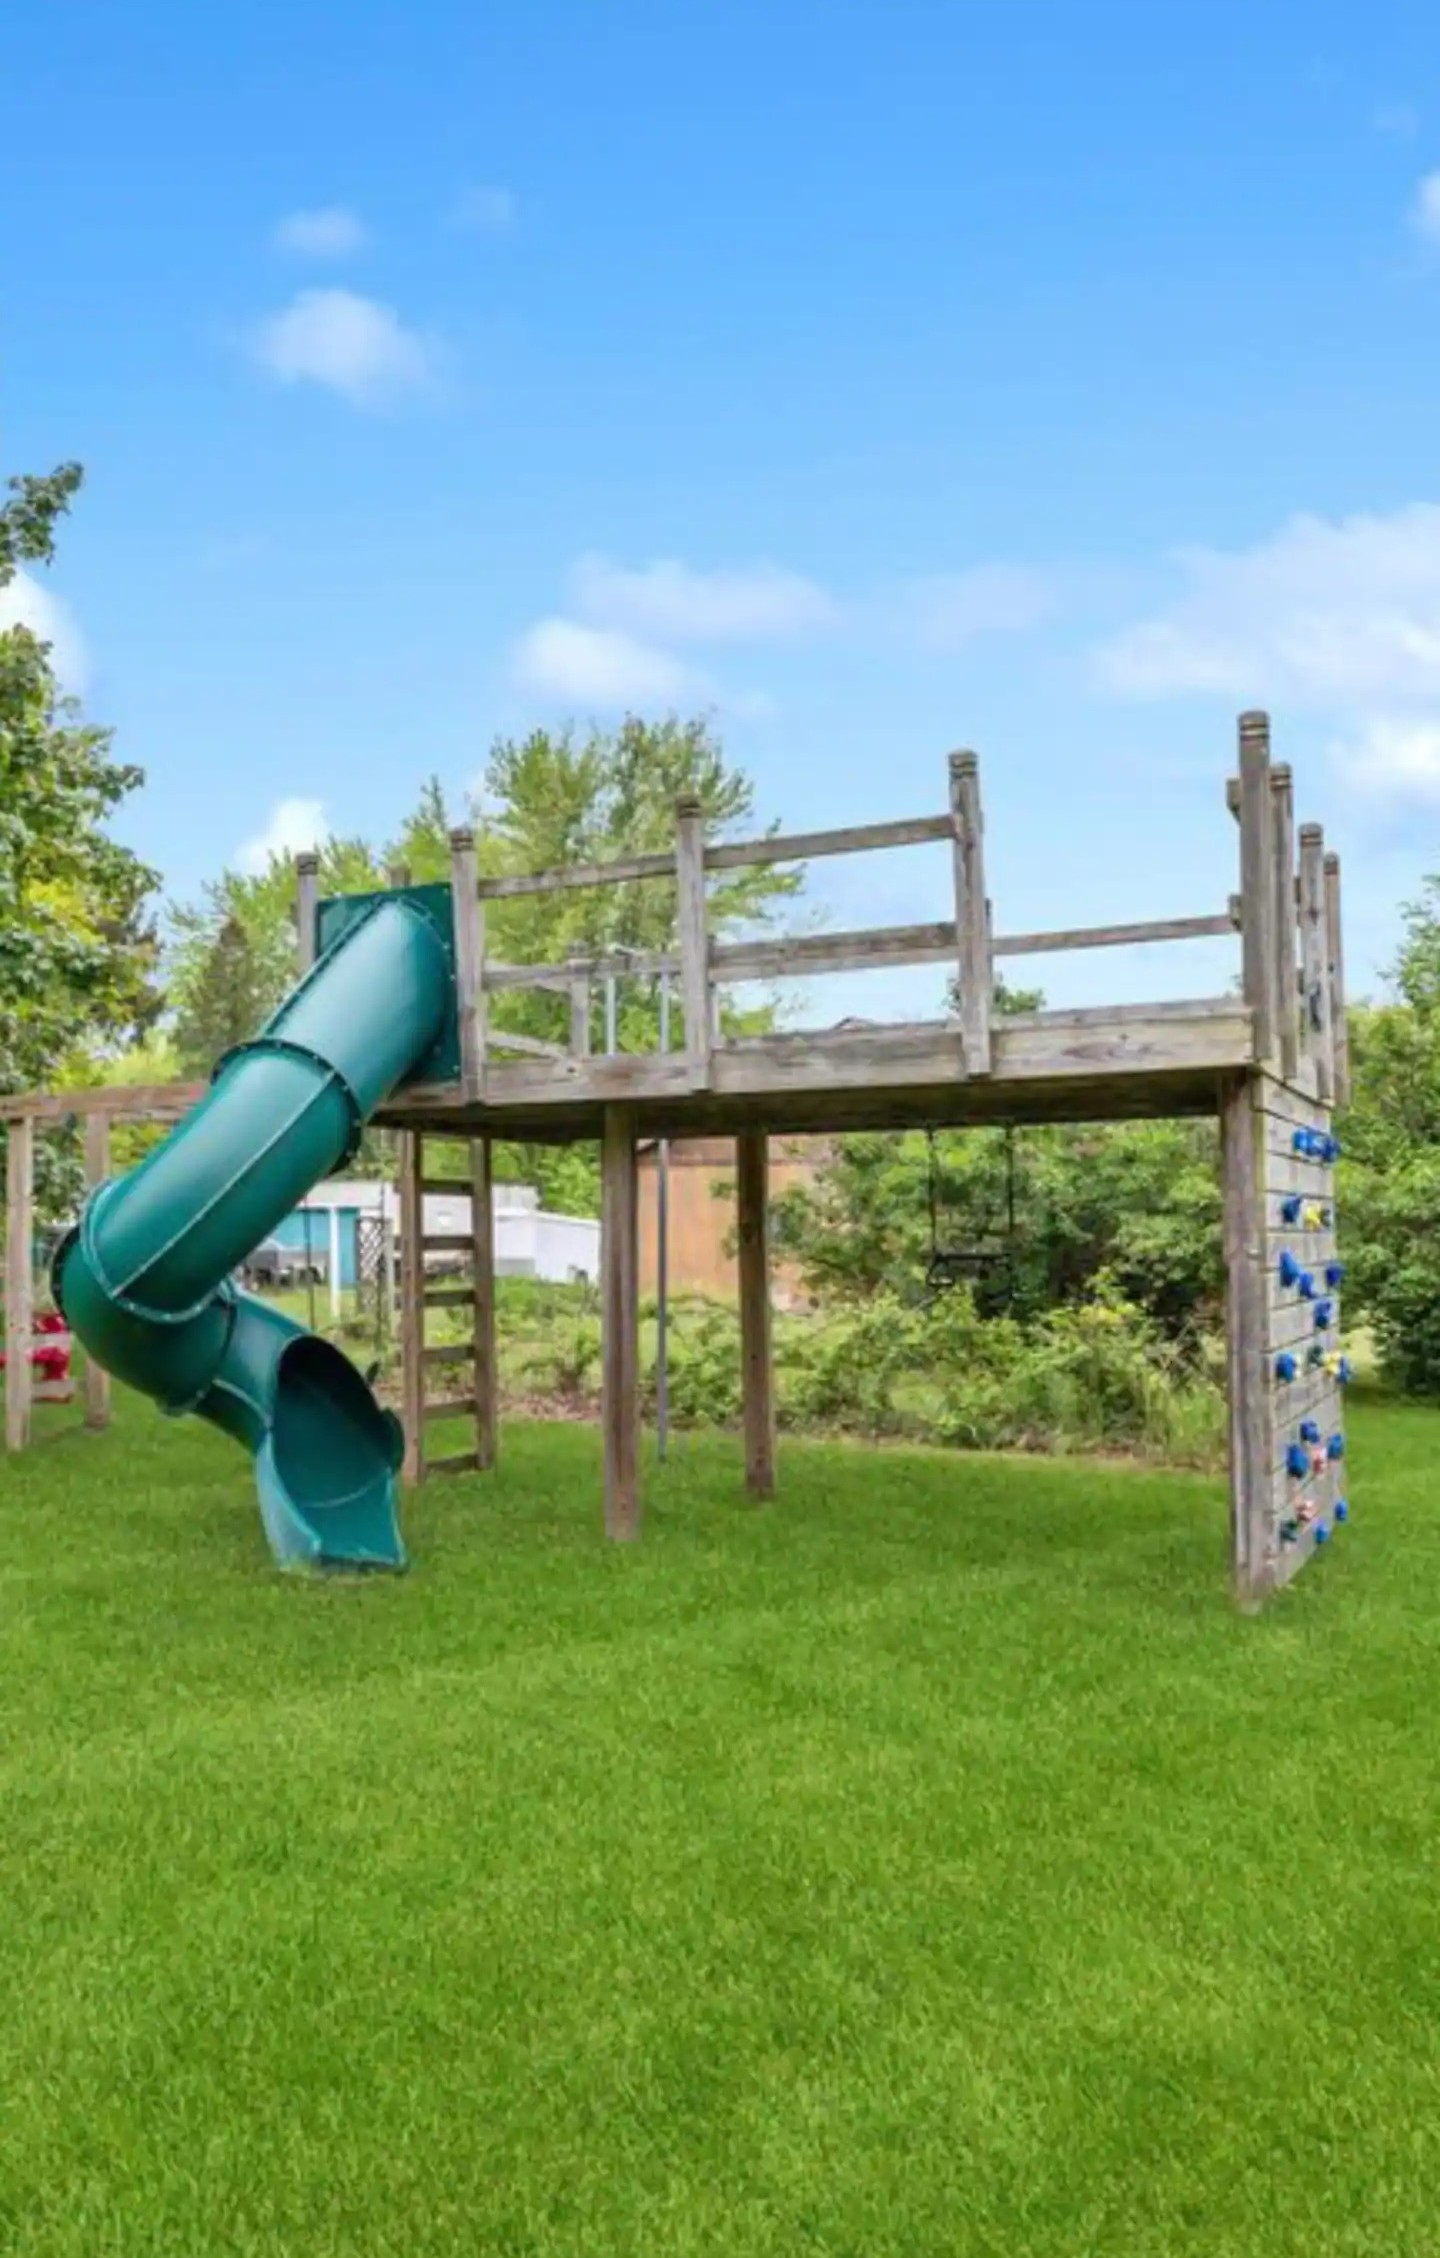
(50, 1347)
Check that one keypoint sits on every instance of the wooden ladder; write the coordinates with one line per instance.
(460, 1373)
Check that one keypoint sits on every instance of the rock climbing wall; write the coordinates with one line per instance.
(1306, 1361)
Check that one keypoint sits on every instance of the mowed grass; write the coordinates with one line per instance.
(931, 1862)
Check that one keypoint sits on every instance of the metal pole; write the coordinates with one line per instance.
(662, 1255)
(609, 1015)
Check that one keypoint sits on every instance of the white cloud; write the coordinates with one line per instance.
(1325, 613)
(25, 602)
(952, 609)
(679, 604)
(1393, 753)
(293, 827)
(351, 345)
(1399, 121)
(1425, 212)
(489, 211)
(600, 667)
(331, 231)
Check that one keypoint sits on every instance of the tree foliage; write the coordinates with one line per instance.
(77, 952)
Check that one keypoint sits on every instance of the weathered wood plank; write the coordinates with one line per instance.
(457, 1462)
(526, 1046)
(622, 871)
(972, 916)
(579, 989)
(620, 1305)
(154, 1101)
(447, 1242)
(471, 1000)
(449, 1297)
(794, 956)
(809, 846)
(752, 1195)
(450, 1407)
(1284, 917)
(1250, 1408)
(694, 932)
(448, 1354)
(97, 1168)
(411, 1166)
(307, 909)
(1257, 879)
(1339, 1016)
(1114, 936)
(1315, 954)
(482, 1236)
(19, 1281)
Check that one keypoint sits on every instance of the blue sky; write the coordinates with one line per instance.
(889, 377)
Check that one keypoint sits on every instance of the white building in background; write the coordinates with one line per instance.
(530, 1241)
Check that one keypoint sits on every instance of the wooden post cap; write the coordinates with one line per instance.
(462, 838)
(965, 764)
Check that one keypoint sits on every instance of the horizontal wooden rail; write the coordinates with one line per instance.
(450, 1242)
(640, 964)
(445, 1187)
(789, 956)
(450, 1297)
(152, 1101)
(451, 1352)
(459, 1462)
(451, 1407)
(1112, 936)
(737, 854)
(531, 1046)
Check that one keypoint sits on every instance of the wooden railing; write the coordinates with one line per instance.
(1287, 916)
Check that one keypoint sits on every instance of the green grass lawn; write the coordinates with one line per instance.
(929, 1863)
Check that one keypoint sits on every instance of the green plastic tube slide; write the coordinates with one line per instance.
(146, 1277)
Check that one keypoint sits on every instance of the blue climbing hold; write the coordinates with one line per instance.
(1305, 1286)
(1334, 1272)
(1289, 1268)
(1301, 1141)
(1335, 1448)
(1290, 1209)
(1285, 1366)
(1309, 1431)
(1296, 1463)
(1342, 1510)
(1322, 1534)
(1316, 1357)
(1324, 1315)
(1345, 1371)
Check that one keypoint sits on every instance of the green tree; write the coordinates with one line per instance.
(1390, 1173)
(77, 952)
(227, 1002)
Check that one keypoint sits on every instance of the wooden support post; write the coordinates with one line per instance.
(471, 1001)
(972, 919)
(579, 1011)
(1286, 918)
(97, 1168)
(482, 1232)
(412, 1300)
(1248, 1377)
(19, 1282)
(1257, 882)
(1315, 958)
(307, 906)
(619, 1258)
(397, 874)
(1339, 1018)
(756, 1357)
(694, 935)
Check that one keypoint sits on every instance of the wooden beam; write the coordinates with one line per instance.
(1315, 958)
(756, 1348)
(1257, 878)
(97, 1168)
(19, 1281)
(1250, 1401)
(471, 1002)
(807, 846)
(692, 926)
(487, 1377)
(152, 1101)
(307, 908)
(619, 872)
(620, 1370)
(1286, 935)
(1339, 1016)
(1114, 936)
(411, 1162)
(529, 1046)
(972, 923)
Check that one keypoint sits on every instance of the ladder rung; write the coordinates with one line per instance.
(462, 1462)
(451, 1407)
(445, 1187)
(450, 1352)
(450, 1242)
(450, 1297)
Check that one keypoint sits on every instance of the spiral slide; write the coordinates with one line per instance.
(145, 1279)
